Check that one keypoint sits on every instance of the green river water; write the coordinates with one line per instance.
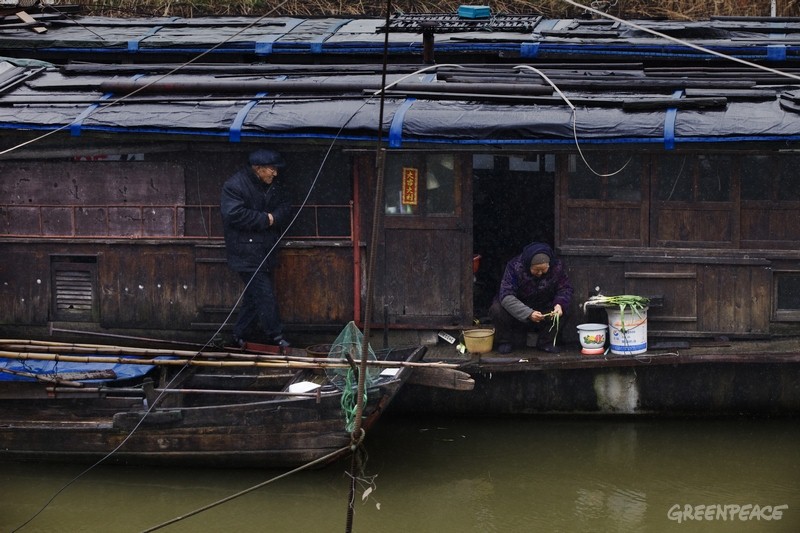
(457, 475)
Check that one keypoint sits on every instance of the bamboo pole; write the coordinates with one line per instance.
(131, 390)
(328, 363)
(102, 348)
(109, 351)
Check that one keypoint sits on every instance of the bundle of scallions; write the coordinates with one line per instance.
(637, 304)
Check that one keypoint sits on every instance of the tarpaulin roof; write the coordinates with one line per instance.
(625, 85)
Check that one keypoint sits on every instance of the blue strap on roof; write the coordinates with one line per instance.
(316, 46)
(669, 123)
(133, 44)
(263, 47)
(529, 50)
(77, 124)
(235, 134)
(776, 52)
(396, 128)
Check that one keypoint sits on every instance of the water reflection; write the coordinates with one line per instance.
(453, 475)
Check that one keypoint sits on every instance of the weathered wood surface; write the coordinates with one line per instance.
(212, 429)
(445, 378)
(710, 379)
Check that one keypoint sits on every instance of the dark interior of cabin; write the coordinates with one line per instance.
(513, 206)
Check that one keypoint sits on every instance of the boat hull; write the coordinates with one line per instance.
(649, 385)
(224, 430)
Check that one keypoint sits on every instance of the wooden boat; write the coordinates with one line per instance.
(226, 409)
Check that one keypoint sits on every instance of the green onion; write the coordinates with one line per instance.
(556, 318)
(637, 304)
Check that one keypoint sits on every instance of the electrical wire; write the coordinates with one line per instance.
(574, 122)
(208, 343)
(682, 42)
(314, 181)
(241, 295)
(101, 106)
(358, 429)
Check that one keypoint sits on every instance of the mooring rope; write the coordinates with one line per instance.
(199, 510)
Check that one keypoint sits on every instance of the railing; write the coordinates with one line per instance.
(168, 222)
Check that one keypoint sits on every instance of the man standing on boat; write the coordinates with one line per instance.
(534, 293)
(255, 208)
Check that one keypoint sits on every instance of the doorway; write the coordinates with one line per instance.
(513, 205)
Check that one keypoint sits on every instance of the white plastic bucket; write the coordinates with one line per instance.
(592, 338)
(627, 331)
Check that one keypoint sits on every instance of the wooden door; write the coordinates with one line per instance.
(425, 260)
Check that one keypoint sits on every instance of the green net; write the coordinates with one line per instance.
(349, 346)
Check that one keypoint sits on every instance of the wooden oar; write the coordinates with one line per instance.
(443, 378)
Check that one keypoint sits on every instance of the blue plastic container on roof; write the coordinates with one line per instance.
(474, 12)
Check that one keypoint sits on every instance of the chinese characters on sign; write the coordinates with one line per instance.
(410, 186)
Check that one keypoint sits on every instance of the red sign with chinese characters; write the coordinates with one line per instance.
(410, 186)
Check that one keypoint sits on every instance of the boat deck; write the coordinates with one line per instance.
(694, 351)
(698, 377)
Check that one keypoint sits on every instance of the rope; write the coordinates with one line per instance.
(349, 402)
(380, 159)
(328, 457)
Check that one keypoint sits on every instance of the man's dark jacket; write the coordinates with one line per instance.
(245, 202)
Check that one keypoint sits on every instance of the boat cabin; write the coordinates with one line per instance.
(652, 167)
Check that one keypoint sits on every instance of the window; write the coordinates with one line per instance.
(755, 185)
(788, 186)
(699, 178)
(714, 179)
(771, 178)
(327, 180)
(770, 186)
(420, 184)
(787, 295)
(614, 176)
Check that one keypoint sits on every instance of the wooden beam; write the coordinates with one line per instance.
(27, 19)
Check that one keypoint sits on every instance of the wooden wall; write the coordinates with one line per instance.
(171, 287)
(711, 260)
(696, 295)
(154, 267)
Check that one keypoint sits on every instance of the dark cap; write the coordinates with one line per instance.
(540, 259)
(266, 158)
(535, 249)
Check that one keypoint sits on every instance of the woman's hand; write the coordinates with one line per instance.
(557, 310)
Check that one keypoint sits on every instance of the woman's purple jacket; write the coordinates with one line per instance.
(538, 293)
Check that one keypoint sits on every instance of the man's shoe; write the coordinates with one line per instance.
(281, 342)
(504, 348)
(239, 342)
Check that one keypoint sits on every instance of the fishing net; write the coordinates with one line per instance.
(349, 346)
